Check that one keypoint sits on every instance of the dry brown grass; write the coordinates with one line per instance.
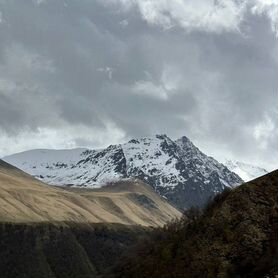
(25, 199)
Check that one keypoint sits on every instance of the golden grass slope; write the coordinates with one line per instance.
(25, 199)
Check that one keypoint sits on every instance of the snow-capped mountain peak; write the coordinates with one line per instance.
(178, 170)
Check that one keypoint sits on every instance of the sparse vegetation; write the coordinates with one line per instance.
(55, 251)
(232, 237)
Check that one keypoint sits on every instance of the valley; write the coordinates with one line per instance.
(125, 229)
(138, 139)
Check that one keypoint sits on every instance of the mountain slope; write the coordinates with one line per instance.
(48, 250)
(236, 236)
(246, 171)
(177, 170)
(51, 232)
(24, 199)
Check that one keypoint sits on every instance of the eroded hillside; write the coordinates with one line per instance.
(24, 199)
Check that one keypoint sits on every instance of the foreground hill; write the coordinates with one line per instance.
(24, 199)
(236, 236)
(177, 170)
(47, 250)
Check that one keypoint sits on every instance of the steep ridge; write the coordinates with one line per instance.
(246, 171)
(24, 199)
(177, 170)
(235, 236)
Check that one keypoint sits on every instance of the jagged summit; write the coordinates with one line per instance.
(184, 140)
(178, 170)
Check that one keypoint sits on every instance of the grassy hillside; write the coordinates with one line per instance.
(235, 236)
(24, 199)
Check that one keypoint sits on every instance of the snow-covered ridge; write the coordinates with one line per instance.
(246, 171)
(178, 170)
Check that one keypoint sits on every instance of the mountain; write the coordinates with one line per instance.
(51, 232)
(246, 171)
(177, 170)
(24, 199)
(235, 236)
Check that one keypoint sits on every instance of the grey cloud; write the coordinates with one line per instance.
(218, 87)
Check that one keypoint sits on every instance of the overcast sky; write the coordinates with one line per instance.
(98, 72)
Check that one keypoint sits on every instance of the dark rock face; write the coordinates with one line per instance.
(191, 195)
(195, 179)
(191, 178)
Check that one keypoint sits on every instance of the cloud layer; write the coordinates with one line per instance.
(92, 73)
(206, 15)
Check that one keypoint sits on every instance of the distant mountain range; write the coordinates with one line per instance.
(176, 169)
(246, 171)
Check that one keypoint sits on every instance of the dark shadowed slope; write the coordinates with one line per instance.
(235, 237)
(45, 250)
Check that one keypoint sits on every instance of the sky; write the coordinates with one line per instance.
(90, 73)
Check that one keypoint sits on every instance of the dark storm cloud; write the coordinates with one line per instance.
(114, 72)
